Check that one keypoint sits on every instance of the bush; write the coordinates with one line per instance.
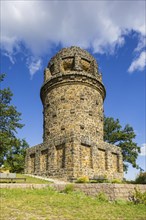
(141, 179)
(68, 188)
(4, 169)
(83, 179)
(116, 181)
(138, 197)
(93, 181)
(103, 181)
(102, 197)
(100, 179)
(129, 182)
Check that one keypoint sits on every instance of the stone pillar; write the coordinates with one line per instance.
(27, 163)
(120, 163)
(37, 161)
(108, 159)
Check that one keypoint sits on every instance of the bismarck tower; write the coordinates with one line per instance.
(72, 96)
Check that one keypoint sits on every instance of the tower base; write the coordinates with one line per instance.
(72, 156)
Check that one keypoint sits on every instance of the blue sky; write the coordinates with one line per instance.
(33, 31)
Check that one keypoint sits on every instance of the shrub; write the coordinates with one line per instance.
(102, 197)
(4, 169)
(138, 197)
(141, 179)
(100, 179)
(93, 181)
(68, 188)
(129, 182)
(116, 181)
(83, 179)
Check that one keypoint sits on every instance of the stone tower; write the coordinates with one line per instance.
(72, 97)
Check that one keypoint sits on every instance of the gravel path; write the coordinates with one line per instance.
(56, 181)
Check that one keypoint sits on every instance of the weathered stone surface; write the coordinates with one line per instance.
(72, 96)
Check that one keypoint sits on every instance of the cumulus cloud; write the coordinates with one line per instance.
(139, 63)
(143, 150)
(141, 43)
(39, 25)
(34, 64)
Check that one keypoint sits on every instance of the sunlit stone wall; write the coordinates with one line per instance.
(72, 97)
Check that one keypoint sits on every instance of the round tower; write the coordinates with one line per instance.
(72, 95)
(73, 146)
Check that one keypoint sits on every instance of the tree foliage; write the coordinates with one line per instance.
(124, 138)
(12, 149)
(141, 178)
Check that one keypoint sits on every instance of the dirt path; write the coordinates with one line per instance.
(56, 181)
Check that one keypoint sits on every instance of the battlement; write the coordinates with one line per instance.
(72, 60)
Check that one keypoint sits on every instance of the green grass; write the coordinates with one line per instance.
(28, 180)
(47, 204)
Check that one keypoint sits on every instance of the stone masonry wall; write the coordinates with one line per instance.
(72, 96)
(74, 156)
(71, 108)
(113, 191)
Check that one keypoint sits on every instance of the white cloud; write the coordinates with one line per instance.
(139, 63)
(34, 64)
(39, 25)
(10, 56)
(141, 43)
(143, 150)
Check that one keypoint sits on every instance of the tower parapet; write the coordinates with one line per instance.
(72, 59)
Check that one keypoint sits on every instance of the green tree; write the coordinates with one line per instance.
(141, 178)
(12, 149)
(123, 138)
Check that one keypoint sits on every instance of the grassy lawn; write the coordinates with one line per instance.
(47, 204)
(28, 180)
